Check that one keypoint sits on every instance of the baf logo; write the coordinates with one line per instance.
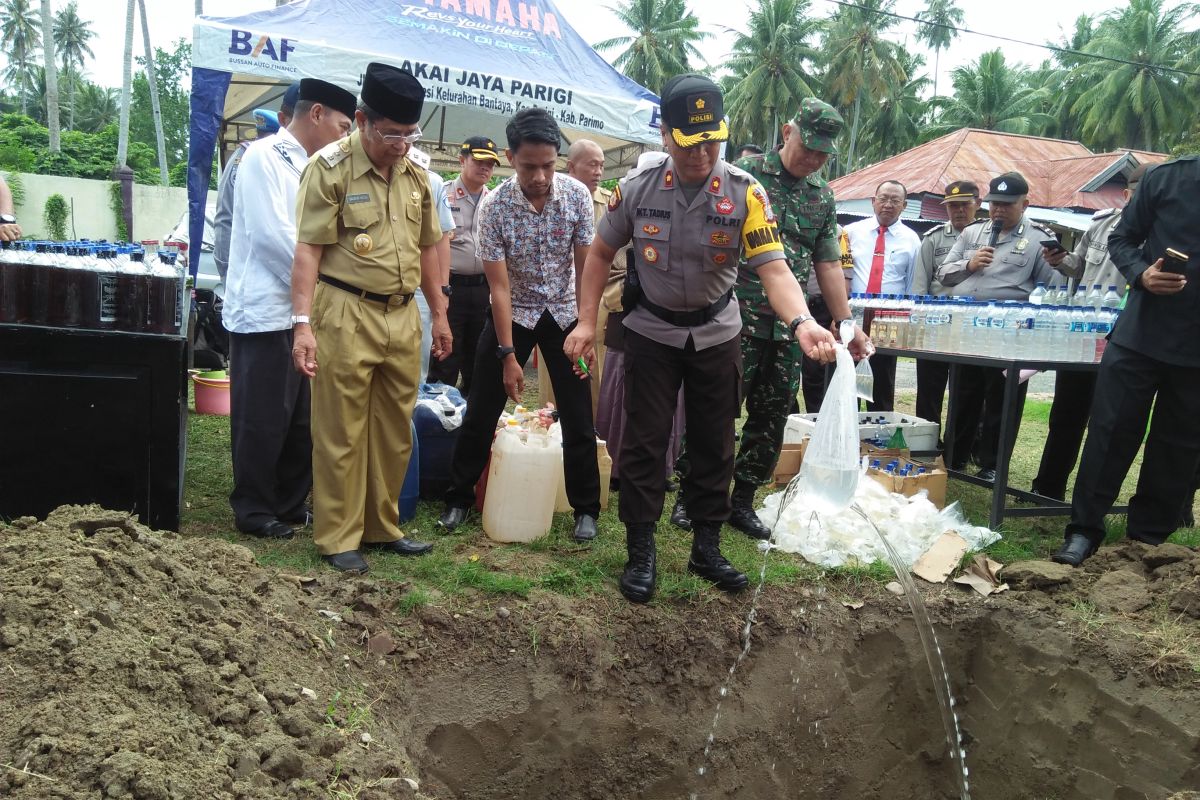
(240, 44)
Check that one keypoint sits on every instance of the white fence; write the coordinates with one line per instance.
(156, 209)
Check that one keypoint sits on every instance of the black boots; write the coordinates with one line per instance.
(742, 515)
(679, 517)
(707, 561)
(637, 581)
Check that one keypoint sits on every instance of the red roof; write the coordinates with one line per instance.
(1059, 171)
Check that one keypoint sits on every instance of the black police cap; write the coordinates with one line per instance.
(692, 107)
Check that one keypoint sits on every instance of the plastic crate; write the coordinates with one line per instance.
(920, 435)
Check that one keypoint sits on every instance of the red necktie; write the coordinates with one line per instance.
(875, 282)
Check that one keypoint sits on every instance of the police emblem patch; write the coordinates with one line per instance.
(725, 206)
(719, 238)
(720, 258)
(714, 186)
(614, 200)
(650, 254)
(761, 197)
(668, 179)
(651, 230)
(362, 244)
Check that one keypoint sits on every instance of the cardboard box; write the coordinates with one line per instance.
(933, 480)
(788, 466)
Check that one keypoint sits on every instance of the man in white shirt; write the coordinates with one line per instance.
(884, 251)
(269, 402)
(441, 205)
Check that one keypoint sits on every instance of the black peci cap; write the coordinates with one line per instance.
(393, 92)
(692, 107)
(314, 90)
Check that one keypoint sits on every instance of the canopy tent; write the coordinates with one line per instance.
(480, 61)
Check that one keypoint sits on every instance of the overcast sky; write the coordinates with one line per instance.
(1029, 20)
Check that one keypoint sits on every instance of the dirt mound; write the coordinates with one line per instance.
(139, 664)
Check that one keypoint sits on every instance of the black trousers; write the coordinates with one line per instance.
(1128, 385)
(814, 376)
(978, 401)
(932, 377)
(1073, 393)
(712, 398)
(269, 430)
(487, 400)
(466, 313)
(884, 369)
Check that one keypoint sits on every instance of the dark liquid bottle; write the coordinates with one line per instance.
(89, 293)
(132, 295)
(66, 289)
(163, 311)
(15, 285)
(107, 274)
(40, 279)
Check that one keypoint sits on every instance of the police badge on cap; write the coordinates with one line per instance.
(393, 92)
(693, 109)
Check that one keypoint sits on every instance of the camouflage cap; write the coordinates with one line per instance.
(819, 125)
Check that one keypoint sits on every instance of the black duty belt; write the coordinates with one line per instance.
(687, 319)
(468, 280)
(386, 299)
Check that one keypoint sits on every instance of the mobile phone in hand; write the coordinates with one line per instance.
(1174, 261)
(1053, 246)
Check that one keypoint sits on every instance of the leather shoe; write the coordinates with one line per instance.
(1075, 550)
(402, 547)
(679, 516)
(452, 517)
(987, 474)
(585, 528)
(273, 530)
(303, 517)
(350, 562)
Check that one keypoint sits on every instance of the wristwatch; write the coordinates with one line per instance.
(447, 290)
(299, 319)
(7, 219)
(504, 350)
(797, 322)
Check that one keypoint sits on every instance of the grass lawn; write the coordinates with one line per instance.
(467, 562)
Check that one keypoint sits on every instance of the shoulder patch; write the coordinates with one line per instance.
(1104, 213)
(1044, 228)
(335, 152)
(931, 231)
(614, 199)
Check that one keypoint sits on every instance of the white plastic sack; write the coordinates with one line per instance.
(450, 415)
(829, 473)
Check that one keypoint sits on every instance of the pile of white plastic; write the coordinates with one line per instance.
(911, 525)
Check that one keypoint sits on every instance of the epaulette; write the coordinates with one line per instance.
(979, 222)
(1104, 213)
(1044, 228)
(738, 172)
(335, 152)
(935, 229)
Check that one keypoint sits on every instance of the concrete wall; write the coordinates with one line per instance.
(156, 209)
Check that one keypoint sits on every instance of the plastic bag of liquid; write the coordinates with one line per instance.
(864, 378)
(829, 473)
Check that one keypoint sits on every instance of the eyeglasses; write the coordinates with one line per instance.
(397, 138)
(888, 201)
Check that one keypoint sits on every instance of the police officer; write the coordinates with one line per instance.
(1007, 270)
(962, 202)
(366, 227)
(468, 298)
(771, 357)
(691, 217)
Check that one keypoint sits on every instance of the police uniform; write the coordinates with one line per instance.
(1017, 267)
(367, 328)
(468, 303)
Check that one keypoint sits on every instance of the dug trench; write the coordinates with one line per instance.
(138, 664)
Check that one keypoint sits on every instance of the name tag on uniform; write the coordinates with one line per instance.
(358, 198)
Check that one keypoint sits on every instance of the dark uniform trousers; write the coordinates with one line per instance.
(815, 375)
(771, 379)
(466, 314)
(979, 398)
(270, 439)
(1073, 394)
(883, 368)
(1128, 385)
(711, 379)
(487, 399)
(932, 377)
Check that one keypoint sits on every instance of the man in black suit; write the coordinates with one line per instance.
(1152, 359)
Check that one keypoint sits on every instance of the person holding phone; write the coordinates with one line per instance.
(1152, 361)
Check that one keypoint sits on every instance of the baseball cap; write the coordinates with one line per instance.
(1007, 188)
(290, 98)
(692, 107)
(266, 121)
(819, 125)
(480, 148)
(960, 191)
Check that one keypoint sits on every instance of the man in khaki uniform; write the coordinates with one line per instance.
(366, 227)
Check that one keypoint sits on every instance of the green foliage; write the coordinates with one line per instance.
(16, 187)
(662, 44)
(993, 95)
(173, 73)
(55, 216)
(117, 206)
(23, 148)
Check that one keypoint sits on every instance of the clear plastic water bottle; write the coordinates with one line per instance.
(1038, 295)
(1059, 333)
(1111, 299)
(1043, 327)
(1105, 318)
(1023, 313)
(1081, 344)
(993, 322)
(1095, 295)
(1010, 318)
(1081, 296)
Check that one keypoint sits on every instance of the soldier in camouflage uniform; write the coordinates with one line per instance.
(771, 359)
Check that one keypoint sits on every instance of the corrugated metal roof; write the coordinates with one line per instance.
(1057, 170)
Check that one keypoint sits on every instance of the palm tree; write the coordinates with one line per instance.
(97, 107)
(1141, 103)
(21, 36)
(126, 86)
(861, 61)
(937, 31)
(993, 96)
(663, 44)
(768, 65)
(51, 78)
(154, 105)
(897, 123)
(71, 37)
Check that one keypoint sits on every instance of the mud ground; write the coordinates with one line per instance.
(139, 664)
